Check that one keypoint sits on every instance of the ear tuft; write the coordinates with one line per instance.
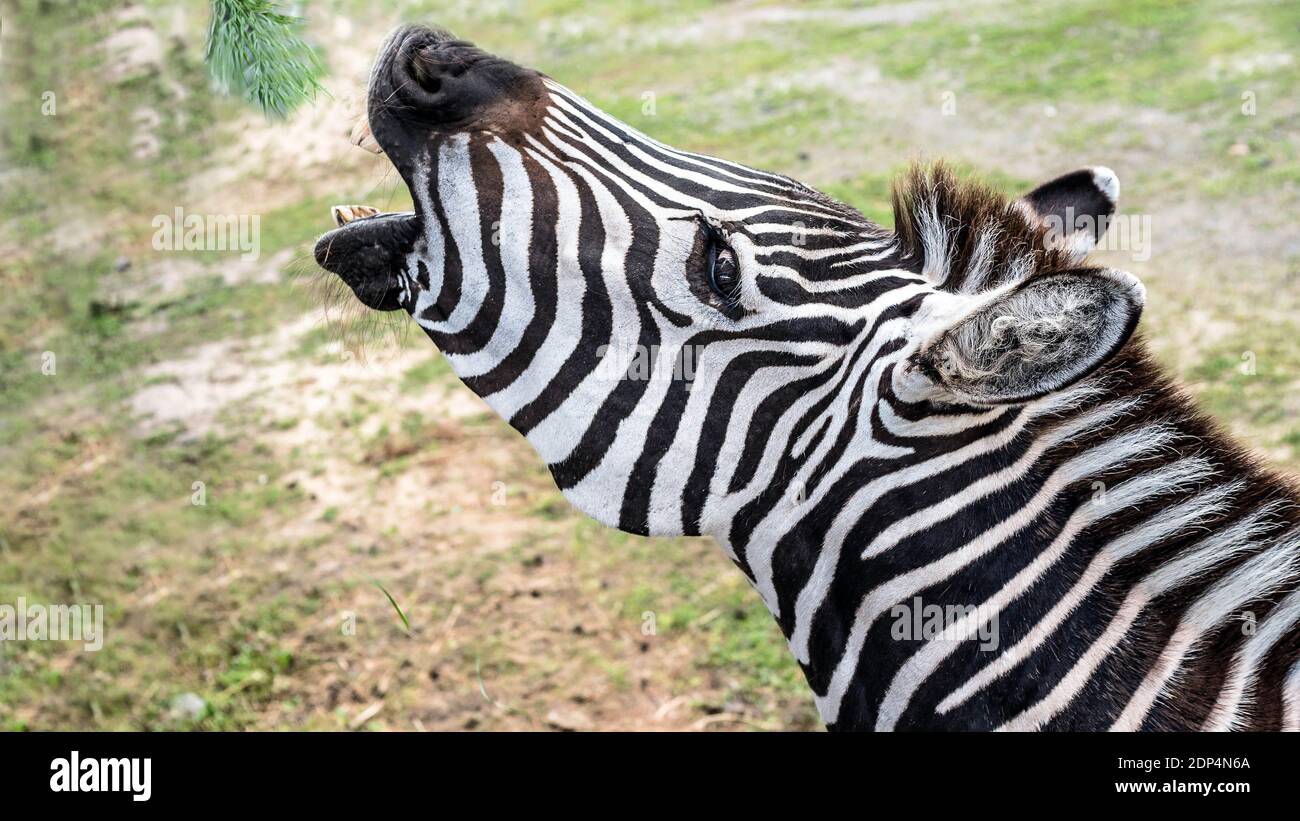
(1040, 336)
(1107, 182)
(1075, 208)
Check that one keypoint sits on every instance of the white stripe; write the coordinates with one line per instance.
(1110, 454)
(881, 251)
(1127, 494)
(515, 235)
(433, 254)
(558, 434)
(1291, 700)
(571, 287)
(981, 262)
(750, 173)
(459, 198)
(1189, 565)
(842, 284)
(676, 466)
(938, 425)
(997, 481)
(1254, 579)
(1235, 697)
(819, 581)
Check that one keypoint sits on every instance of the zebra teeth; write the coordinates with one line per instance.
(343, 214)
(363, 138)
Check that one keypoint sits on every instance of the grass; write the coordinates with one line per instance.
(258, 607)
(1250, 380)
(396, 608)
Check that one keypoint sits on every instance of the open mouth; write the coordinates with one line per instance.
(367, 247)
(343, 214)
(364, 139)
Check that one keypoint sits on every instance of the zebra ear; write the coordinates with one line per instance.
(1036, 337)
(1076, 208)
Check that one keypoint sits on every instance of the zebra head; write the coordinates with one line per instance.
(693, 346)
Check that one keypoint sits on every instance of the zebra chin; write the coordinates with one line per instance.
(369, 254)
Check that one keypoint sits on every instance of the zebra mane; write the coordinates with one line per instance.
(966, 237)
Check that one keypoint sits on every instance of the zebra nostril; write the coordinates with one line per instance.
(427, 79)
(426, 69)
(421, 64)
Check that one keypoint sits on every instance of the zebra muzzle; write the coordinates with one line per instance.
(368, 251)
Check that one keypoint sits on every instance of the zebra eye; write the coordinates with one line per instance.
(724, 277)
(724, 273)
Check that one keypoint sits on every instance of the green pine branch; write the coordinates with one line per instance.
(255, 51)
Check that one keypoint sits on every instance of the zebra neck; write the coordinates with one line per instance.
(1061, 565)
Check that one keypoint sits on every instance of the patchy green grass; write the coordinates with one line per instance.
(431, 371)
(1250, 381)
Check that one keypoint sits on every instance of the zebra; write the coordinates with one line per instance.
(951, 425)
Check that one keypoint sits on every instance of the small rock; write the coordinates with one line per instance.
(365, 715)
(188, 707)
(145, 144)
(570, 719)
(1238, 150)
(133, 53)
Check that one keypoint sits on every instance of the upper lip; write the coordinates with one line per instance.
(364, 138)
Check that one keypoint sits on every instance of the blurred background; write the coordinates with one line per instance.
(243, 468)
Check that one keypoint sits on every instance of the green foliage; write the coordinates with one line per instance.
(255, 51)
